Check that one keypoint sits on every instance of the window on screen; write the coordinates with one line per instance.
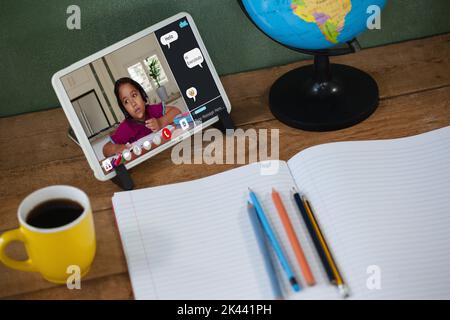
(140, 73)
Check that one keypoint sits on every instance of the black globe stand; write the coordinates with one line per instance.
(323, 96)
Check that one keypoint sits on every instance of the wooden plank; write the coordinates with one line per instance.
(114, 287)
(41, 148)
(399, 69)
(32, 124)
(397, 117)
(12, 186)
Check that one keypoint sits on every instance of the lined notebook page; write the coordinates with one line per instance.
(384, 204)
(194, 240)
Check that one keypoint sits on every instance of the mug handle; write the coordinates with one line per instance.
(5, 239)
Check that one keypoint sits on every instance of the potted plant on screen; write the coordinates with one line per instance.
(154, 70)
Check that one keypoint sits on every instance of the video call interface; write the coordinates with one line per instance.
(143, 95)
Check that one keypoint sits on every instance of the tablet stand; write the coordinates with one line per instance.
(123, 178)
(225, 122)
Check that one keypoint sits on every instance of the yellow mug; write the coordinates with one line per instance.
(53, 251)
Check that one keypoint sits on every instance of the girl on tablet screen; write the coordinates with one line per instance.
(141, 118)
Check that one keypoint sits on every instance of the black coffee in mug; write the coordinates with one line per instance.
(54, 213)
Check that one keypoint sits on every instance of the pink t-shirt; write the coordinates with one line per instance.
(131, 130)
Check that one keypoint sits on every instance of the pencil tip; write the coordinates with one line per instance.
(273, 190)
(249, 189)
(295, 284)
(343, 290)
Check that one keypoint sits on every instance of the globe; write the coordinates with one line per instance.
(312, 24)
(322, 96)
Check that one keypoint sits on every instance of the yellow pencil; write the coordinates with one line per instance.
(339, 281)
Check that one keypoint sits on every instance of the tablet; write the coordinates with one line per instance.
(142, 95)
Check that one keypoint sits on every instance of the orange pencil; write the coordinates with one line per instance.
(301, 259)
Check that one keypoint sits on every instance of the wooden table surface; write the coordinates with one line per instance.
(414, 81)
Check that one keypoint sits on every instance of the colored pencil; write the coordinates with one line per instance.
(262, 244)
(343, 290)
(320, 243)
(274, 242)
(298, 251)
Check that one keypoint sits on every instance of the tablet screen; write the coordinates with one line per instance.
(150, 91)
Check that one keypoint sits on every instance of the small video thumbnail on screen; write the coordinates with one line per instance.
(128, 102)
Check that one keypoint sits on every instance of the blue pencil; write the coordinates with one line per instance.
(262, 243)
(274, 242)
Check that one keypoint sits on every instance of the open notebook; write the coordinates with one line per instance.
(383, 203)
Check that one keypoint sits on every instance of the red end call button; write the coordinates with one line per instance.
(166, 133)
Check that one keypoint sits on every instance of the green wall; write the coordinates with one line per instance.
(35, 42)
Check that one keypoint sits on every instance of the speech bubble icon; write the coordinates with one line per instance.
(168, 38)
(191, 93)
(194, 58)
